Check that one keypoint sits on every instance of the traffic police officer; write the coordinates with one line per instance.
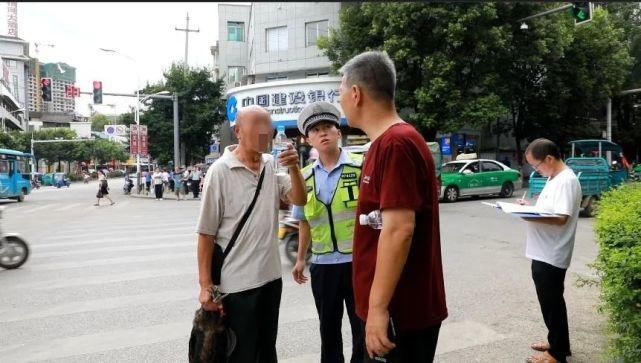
(327, 221)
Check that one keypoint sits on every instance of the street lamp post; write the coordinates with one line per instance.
(174, 97)
(137, 113)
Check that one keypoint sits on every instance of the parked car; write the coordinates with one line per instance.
(477, 177)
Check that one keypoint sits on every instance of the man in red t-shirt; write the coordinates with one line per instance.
(397, 270)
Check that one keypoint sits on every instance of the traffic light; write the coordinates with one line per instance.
(582, 12)
(45, 85)
(97, 92)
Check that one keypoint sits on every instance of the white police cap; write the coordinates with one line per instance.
(317, 112)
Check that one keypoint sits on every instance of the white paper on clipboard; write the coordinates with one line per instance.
(518, 210)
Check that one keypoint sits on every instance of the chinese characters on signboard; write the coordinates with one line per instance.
(290, 102)
(138, 140)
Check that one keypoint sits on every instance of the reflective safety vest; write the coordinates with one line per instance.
(332, 225)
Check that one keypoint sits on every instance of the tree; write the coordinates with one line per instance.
(200, 109)
(444, 80)
(98, 122)
(57, 151)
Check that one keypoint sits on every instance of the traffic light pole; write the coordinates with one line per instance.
(548, 12)
(174, 98)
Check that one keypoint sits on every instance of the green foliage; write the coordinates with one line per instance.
(200, 108)
(98, 122)
(618, 230)
(471, 64)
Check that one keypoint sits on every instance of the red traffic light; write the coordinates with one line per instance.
(45, 81)
(97, 84)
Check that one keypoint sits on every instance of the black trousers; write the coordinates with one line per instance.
(158, 190)
(411, 346)
(195, 187)
(549, 282)
(253, 316)
(331, 286)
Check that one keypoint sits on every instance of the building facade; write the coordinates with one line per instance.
(62, 75)
(13, 90)
(267, 55)
(265, 42)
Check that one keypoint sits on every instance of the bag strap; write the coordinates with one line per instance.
(241, 224)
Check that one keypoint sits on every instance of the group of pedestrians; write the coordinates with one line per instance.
(180, 182)
(373, 224)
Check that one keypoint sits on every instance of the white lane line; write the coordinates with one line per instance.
(85, 280)
(94, 343)
(75, 307)
(115, 227)
(84, 241)
(67, 207)
(111, 261)
(124, 248)
(28, 210)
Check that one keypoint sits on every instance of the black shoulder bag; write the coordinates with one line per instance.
(211, 340)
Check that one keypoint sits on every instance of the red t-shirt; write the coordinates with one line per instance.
(399, 172)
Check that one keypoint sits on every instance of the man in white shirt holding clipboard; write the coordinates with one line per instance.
(550, 242)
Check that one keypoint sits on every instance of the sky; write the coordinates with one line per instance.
(143, 31)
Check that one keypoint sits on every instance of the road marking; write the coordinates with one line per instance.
(95, 343)
(84, 240)
(124, 248)
(85, 280)
(75, 307)
(110, 261)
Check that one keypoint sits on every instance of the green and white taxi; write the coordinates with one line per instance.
(477, 177)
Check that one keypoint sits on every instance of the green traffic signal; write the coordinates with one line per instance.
(582, 12)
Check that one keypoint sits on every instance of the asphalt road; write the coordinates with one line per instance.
(118, 284)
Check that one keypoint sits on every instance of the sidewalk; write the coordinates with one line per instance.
(169, 195)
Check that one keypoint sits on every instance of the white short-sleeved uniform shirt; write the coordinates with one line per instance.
(227, 192)
(549, 243)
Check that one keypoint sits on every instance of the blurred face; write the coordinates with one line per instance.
(254, 131)
(324, 136)
(543, 167)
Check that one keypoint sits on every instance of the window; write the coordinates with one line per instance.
(276, 39)
(315, 30)
(473, 167)
(4, 166)
(317, 74)
(235, 74)
(15, 85)
(275, 78)
(489, 166)
(235, 31)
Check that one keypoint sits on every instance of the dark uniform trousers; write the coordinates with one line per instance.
(332, 287)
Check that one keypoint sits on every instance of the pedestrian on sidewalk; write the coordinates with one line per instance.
(195, 181)
(177, 182)
(251, 272)
(186, 179)
(103, 188)
(147, 175)
(158, 184)
(332, 181)
(165, 179)
(398, 273)
(550, 243)
(172, 184)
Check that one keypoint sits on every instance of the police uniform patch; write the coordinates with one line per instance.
(348, 176)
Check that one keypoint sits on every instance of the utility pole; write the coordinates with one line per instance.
(187, 31)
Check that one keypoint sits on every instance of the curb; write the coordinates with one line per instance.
(165, 197)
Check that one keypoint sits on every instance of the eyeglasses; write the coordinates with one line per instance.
(536, 167)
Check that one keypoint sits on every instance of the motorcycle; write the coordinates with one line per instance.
(288, 234)
(128, 186)
(14, 250)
